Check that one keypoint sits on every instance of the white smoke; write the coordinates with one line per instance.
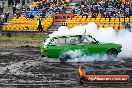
(93, 58)
(106, 35)
(78, 56)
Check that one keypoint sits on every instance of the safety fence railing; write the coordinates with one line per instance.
(114, 25)
(56, 25)
(83, 23)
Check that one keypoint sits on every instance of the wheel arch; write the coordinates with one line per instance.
(65, 50)
(114, 49)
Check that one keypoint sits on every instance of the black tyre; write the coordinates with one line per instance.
(112, 53)
(64, 57)
(82, 80)
(42, 55)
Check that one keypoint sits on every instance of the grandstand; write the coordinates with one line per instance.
(105, 13)
(22, 23)
(116, 23)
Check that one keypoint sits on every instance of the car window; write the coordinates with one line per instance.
(87, 40)
(58, 41)
(55, 41)
(72, 40)
(66, 40)
(61, 41)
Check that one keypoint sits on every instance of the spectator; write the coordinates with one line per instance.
(57, 10)
(82, 2)
(107, 15)
(38, 3)
(85, 13)
(23, 2)
(1, 6)
(131, 27)
(128, 27)
(18, 6)
(17, 14)
(1, 24)
(73, 10)
(44, 2)
(31, 16)
(40, 25)
(3, 18)
(14, 9)
(27, 4)
(47, 4)
(10, 2)
(55, 1)
(44, 12)
(63, 9)
(94, 15)
(85, 8)
(35, 8)
(78, 11)
(43, 15)
(27, 15)
(0, 20)
(6, 16)
(20, 11)
(51, 10)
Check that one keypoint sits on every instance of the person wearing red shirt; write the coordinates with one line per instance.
(20, 11)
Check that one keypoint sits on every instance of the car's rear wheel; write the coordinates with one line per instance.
(112, 53)
(64, 57)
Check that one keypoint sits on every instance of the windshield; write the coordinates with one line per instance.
(87, 39)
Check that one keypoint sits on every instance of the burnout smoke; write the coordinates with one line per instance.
(105, 35)
(77, 56)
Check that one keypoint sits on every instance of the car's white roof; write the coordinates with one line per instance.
(63, 35)
(59, 34)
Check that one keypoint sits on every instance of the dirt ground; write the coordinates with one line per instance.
(23, 67)
(19, 43)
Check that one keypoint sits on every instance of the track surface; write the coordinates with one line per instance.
(23, 67)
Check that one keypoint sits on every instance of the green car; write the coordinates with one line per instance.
(58, 46)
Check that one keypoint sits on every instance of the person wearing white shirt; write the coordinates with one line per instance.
(18, 6)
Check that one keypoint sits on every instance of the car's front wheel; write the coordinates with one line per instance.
(64, 57)
(112, 53)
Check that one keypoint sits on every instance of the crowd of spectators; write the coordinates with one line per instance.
(46, 7)
(4, 15)
(107, 8)
(42, 8)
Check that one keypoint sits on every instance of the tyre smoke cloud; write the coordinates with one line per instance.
(105, 35)
(78, 56)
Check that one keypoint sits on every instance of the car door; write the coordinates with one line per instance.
(91, 46)
(72, 43)
(90, 49)
(62, 45)
(55, 47)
